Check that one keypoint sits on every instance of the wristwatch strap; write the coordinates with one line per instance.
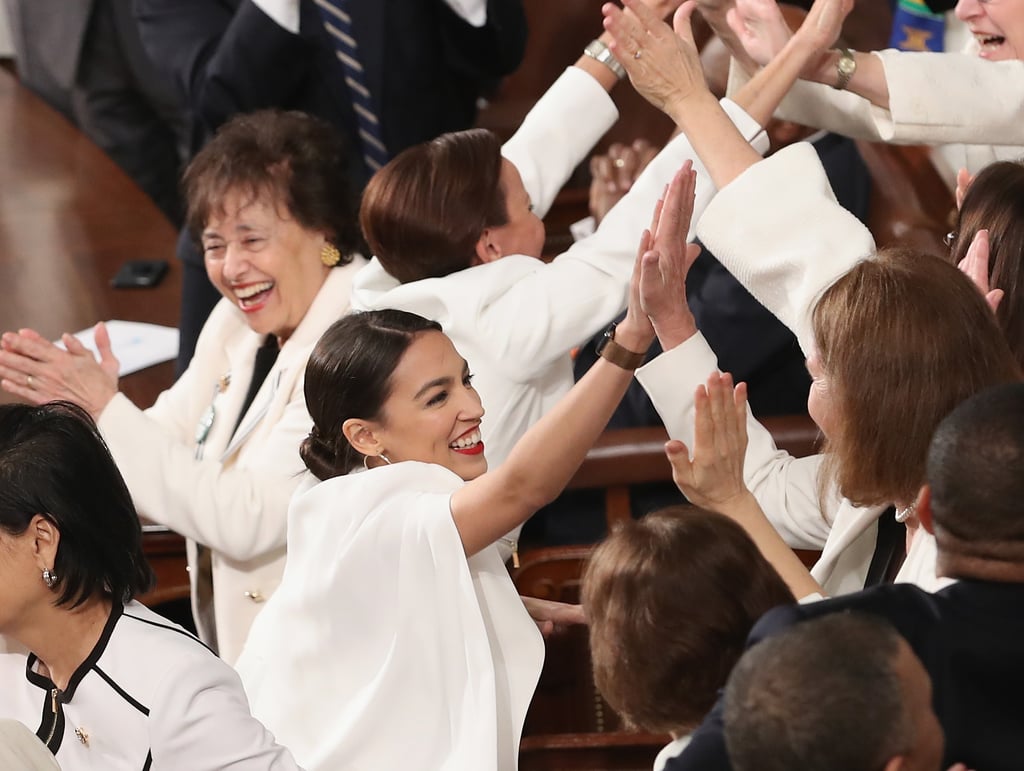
(597, 50)
(611, 351)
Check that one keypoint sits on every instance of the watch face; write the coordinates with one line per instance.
(847, 65)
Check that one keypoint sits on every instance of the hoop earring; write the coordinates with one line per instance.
(49, 578)
(382, 456)
(329, 255)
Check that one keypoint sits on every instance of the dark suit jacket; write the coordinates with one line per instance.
(969, 638)
(424, 65)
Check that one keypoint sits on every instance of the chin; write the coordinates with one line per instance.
(470, 471)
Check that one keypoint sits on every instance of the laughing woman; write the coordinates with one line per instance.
(397, 639)
(215, 458)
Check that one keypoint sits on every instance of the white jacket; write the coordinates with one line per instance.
(235, 499)
(786, 256)
(515, 320)
(148, 696)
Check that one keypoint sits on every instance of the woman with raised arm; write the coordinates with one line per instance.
(969, 104)
(216, 458)
(893, 342)
(397, 639)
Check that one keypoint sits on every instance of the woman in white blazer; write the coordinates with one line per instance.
(102, 681)
(454, 227)
(216, 458)
(425, 657)
(893, 341)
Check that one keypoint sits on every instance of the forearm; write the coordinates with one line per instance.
(761, 95)
(719, 145)
(868, 80)
(747, 512)
(544, 460)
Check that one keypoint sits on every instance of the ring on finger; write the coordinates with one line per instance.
(28, 381)
(638, 52)
(618, 163)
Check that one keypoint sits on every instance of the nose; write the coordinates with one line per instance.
(236, 261)
(967, 9)
(471, 408)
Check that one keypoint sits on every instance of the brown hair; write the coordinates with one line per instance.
(348, 375)
(293, 159)
(995, 201)
(670, 600)
(903, 339)
(423, 213)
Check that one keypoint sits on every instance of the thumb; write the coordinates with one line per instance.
(993, 299)
(681, 20)
(108, 361)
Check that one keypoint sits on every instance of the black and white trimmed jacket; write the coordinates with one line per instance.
(148, 697)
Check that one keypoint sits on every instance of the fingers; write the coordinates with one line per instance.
(963, 181)
(674, 224)
(28, 343)
(681, 21)
(993, 299)
(975, 262)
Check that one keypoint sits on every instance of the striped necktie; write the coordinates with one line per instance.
(338, 24)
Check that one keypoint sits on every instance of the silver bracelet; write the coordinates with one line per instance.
(597, 50)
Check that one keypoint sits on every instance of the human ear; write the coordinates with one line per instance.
(897, 763)
(45, 540)
(362, 435)
(924, 509)
(488, 248)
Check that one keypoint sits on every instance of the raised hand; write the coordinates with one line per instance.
(662, 65)
(713, 476)
(975, 265)
(760, 28)
(36, 370)
(662, 286)
(963, 181)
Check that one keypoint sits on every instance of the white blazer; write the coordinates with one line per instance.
(786, 256)
(234, 499)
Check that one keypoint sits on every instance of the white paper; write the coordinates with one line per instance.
(136, 345)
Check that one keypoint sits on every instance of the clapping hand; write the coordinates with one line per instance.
(975, 265)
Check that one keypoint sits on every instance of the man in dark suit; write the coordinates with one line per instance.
(968, 635)
(425, 65)
(85, 59)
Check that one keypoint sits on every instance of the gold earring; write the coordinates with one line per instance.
(329, 255)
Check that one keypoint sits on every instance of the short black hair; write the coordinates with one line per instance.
(976, 469)
(53, 462)
(823, 694)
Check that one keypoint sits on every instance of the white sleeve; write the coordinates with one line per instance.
(934, 98)
(784, 486)
(579, 292)
(239, 511)
(474, 12)
(558, 133)
(779, 230)
(284, 12)
(202, 722)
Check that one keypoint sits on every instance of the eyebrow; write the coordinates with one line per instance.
(441, 381)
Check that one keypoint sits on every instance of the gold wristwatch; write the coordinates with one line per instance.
(845, 68)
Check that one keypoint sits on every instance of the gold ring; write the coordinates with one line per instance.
(618, 163)
(28, 381)
(637, 54)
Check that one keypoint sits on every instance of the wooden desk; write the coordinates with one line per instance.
(68, 218)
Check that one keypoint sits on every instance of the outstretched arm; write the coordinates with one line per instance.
(543, 461)
(712, 475)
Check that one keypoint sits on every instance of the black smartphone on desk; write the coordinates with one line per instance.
(134, 274)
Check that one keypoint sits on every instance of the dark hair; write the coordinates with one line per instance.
(348, 375)
(53, 462)
(423, 213)
(976, 470)
(295, 160)
(903, 339)
(670, 600)
(823, 694)
(995, 201)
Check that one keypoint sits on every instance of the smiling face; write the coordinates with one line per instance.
(264, 262)
(433, 412)
(997, 25)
